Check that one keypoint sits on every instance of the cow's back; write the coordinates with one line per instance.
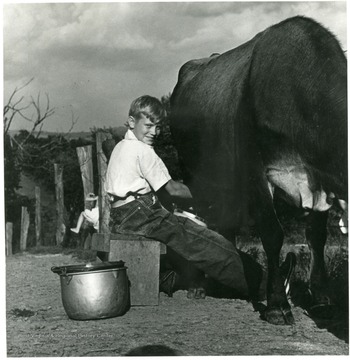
(234, 112)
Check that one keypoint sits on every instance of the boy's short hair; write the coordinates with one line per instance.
(149, 106)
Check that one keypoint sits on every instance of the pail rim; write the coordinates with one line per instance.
(86, 268)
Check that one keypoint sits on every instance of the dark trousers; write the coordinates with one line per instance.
(205, 249)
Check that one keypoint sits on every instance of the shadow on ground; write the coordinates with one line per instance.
(334, 318)
(153, 350)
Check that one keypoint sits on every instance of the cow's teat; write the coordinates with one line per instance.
(343, 222)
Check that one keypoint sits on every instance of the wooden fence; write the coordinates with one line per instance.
(85, 158)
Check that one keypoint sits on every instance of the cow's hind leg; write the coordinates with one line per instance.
(316, 235)
(278, 309)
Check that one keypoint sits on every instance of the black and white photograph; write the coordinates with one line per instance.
(175, 179)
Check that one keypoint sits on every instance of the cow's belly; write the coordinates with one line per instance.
(295, 182)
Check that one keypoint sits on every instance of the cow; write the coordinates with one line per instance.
(264, 121)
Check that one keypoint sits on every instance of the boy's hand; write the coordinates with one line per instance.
(184, 204)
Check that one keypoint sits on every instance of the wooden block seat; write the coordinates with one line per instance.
(141, 257)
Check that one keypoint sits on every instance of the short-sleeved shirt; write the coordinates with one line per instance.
(134, 168)
(92, 216)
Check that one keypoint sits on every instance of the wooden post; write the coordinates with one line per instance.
(9, 232)
(38, 215)
(24, 229)
(60, 227)
(102, 169)
(85, 161)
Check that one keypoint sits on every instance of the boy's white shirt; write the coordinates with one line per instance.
(135, 168)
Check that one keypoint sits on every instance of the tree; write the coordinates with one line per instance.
(26, 151)
(31, 111)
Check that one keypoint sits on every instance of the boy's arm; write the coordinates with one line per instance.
(177, 189)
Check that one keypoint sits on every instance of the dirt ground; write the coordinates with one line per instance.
(37, 325)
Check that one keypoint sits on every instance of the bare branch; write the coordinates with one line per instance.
(74, 120)
(26, 84)
(8, 121)
(17, 143)
(39, 131)
(37, 118)
(8, 105)
(13, 107)
(24, 116)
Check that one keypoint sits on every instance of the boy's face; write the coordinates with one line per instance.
(144, 129)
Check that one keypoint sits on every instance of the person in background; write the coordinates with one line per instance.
(90, 214)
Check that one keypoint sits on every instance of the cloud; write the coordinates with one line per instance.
(88, 24)
(214, 9)
(95, 57)
(66, 32)
(225, 30)
(98, 25)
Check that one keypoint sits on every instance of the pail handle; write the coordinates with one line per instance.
(60, 270)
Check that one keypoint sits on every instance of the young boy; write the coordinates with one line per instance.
(134, 175)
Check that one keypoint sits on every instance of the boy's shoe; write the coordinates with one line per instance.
(287, 269)
(74, 230)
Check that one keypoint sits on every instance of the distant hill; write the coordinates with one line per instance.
(117, 131)
(43, 134)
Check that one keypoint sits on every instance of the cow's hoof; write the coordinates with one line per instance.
(279, 316)
(259, 306)
(196, 293)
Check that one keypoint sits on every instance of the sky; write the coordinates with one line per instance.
(93, 59)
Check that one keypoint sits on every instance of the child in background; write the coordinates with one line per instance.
(90, 214)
